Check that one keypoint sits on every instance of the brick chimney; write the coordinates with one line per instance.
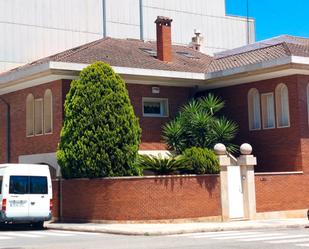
(164, 39)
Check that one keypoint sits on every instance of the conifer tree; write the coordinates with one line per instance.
(100, 135)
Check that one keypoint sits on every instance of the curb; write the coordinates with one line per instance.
(78, 228)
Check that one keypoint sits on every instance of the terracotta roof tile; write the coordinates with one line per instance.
(263, 51)
(247, 58)
(129, 53)
(133, 53)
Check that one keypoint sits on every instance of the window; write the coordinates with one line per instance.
(282, 106)
(254, 109)
(155, 107)
(30, 115)
(268, 110)
(38, 116)
(28, 185)
(18, 185)
(38, 185)
(48, 112)
(1, 179)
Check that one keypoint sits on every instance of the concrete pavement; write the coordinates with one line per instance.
(179, 228)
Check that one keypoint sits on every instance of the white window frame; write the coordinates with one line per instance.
(264, 109)
(51, 112)
(42, 115)
(279, 103)
(156, 100)
(252, 115)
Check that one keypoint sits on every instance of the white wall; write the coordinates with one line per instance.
(32, 29)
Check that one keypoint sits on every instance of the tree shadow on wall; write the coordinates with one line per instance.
(208, 182)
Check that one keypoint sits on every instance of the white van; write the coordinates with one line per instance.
(25, 194)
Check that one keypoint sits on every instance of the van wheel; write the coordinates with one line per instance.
(38, 225)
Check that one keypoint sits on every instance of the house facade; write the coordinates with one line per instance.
(264, 86)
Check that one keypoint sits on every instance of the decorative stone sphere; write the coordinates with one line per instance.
(220, 149)
(245, 149)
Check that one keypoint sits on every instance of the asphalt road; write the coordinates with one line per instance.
(51, 239)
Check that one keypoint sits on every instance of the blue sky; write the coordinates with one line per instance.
(274, 17)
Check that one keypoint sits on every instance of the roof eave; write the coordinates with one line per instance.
(281, 67)
(65, 70)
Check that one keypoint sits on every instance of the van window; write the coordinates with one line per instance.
(38, 185)
(18, 185)
(1, 177)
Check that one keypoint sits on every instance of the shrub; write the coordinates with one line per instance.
(197, 124)
(201, 161)
(100, 136)
(162, 165)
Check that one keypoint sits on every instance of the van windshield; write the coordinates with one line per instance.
(18, 185)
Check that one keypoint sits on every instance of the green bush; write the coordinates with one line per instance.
(100, 136)
(162, 165)
(198, 124)
(201, 161)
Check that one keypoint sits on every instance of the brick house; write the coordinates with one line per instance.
(264, 86)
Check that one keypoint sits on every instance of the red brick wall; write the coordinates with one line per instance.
(20, 144)
(303, 82)
(56, 206)
(276, 149)
(152, 126)
(141, 198)
(281, 192)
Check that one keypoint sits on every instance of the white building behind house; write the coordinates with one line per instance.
(32, 29)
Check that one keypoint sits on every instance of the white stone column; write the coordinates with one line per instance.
(224, 162)
(247, 162)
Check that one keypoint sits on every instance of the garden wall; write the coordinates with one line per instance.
(141, 198)
(56, 206)
(281, 191)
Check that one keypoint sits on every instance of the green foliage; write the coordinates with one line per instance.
(197, 124)
(162, 165)
(101, 134)
(201, 161)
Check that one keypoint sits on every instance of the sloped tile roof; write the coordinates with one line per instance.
(130, 53)
(275, 48)
(133, 53)
(249, 57)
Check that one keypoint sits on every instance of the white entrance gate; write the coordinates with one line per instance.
(235, 193)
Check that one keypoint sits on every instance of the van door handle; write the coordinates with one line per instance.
(14, 196)
(32, 203)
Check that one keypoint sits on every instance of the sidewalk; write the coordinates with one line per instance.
(179, 228)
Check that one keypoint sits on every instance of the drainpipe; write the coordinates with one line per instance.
(141, 21)
(104, 18)
(8, 121)
(248, 24)
(60, 199)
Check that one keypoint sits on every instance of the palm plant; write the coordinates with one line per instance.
(162, 165)
(197, 124)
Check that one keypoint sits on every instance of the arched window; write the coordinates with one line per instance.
(30, 115)
(282, 106)
(48, 112)
(254, 109)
